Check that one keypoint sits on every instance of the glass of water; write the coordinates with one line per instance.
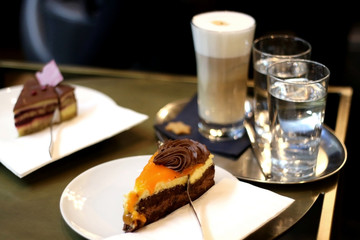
(267, 50)
(297, 91)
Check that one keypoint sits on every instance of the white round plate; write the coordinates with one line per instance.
(92, 203)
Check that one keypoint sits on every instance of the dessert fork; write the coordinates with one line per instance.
(55, 119)
(191, 204)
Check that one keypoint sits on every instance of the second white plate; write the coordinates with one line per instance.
(92, 203)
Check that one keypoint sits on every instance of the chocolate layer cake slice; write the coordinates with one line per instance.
(161, 187)
(36, 104)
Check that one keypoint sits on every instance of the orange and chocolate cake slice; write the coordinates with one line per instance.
(161, 187)
(36, 105)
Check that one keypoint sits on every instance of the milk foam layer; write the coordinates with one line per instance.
(223, 34)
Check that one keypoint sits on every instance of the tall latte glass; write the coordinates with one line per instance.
(222, 41)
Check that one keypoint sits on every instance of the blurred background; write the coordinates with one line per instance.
(156, 36)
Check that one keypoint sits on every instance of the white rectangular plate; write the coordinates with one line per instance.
(99, 118)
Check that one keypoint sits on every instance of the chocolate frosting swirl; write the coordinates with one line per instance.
(181, 153)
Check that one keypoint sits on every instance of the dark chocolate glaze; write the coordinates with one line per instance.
(181, 153)
(33, 93)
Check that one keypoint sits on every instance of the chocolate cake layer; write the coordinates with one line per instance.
(161, 204)
(29, 115)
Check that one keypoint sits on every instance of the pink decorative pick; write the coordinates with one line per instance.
(50, 75)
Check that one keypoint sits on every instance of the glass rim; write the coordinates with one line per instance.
(324, 78)
(283, 36)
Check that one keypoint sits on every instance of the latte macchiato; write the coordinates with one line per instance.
(221, 84)
(222, 42)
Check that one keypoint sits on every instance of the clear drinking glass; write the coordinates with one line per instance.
(222, 41)
(297, 97)
(267, 50)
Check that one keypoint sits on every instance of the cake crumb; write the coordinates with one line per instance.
(179, 128)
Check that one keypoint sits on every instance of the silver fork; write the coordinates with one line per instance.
(192, 206)
(55, 119)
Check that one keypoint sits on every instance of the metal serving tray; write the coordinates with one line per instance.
(332, 154)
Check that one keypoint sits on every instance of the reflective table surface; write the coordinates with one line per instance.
(29, 207)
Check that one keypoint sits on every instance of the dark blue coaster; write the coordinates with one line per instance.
(189, 115)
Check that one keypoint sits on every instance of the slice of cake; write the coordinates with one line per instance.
(34, 108)
(36, 104)
(161, 187)
(40, 97)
